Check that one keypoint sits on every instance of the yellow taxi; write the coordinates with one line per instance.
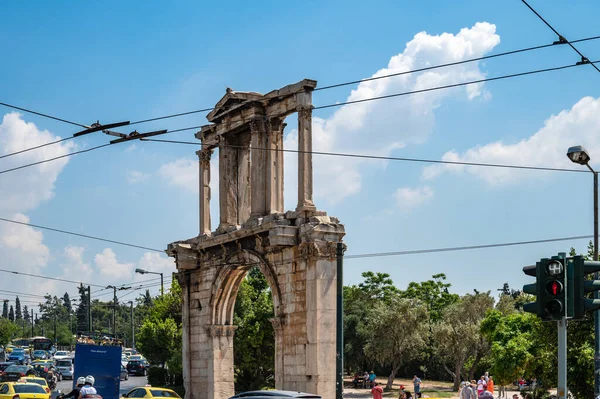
(37, 380)
(22, 390)
(9, 348)
(149, 391)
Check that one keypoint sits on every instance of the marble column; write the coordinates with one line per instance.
(305, 172)
(228, 177)
(274, 178)
(258, 180)
(204, 156)
(243, 184)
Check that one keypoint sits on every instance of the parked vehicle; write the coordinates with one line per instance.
(151, 392)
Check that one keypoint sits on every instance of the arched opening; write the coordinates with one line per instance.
(245, 294)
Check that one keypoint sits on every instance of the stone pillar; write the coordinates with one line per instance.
(243, 182)
(205, 194)
(228, 176)
(305, 174)
(258, 174)
(274, 178)
(220, 366)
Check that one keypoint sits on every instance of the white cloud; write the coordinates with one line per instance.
(182, 173)
(407, 198)
(547, 147)
(107, 264)
(135, 176)
(130, 148)
(379, 127)
(25, 189)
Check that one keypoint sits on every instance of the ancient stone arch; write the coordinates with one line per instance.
(295, 250)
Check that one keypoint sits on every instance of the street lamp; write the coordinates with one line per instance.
(579, 155)
(132, 327)
(142, 271)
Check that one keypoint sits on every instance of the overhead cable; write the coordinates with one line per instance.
(562, 39)
(42, 114)
(378, 157)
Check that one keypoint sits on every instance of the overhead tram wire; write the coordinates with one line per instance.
(42, 114)
(562, 39)
(523, 50)
(334, 105)
(36, 147)
(378, 157)
(73, 153)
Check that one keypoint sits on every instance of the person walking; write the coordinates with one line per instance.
(490, 385)
(377, 391)
(417, 386)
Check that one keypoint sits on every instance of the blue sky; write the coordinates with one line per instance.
(113, 61)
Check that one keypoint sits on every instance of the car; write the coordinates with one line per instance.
(4, 365)
(22, 390)
(17, 356)
(14, 372)
(124, 373)
(138, 367)
(65, 368)
(37, 380)
(42, 367)
(275, 394)
(150, 392)
(61, 355)
(39, 355)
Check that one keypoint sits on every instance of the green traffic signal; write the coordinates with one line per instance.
(582, 285)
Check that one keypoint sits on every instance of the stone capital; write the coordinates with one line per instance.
(277, 322)
(256, 124)
(275, 124)
(319, 249)
(204, 156)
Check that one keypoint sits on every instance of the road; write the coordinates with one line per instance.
(66, 385)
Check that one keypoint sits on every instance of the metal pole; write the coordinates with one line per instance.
(89, 309)
(55, 337)
(596, 295)
(132, 328)
(32, 323)
(339, 366)
(162, 290)
(561, 391)
(114, 320)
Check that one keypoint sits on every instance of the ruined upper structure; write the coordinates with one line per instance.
(247, 128)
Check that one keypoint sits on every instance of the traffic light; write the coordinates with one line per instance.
(582, 286)
(549, 288)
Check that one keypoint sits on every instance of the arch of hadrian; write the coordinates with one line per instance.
(295, 250)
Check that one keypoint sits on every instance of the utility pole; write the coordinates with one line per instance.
(89, 308)
(114, 318)
(132, 326)
(32, 335)
(55, 337)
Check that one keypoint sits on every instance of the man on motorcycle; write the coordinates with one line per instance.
(51, 379)
(88, 388)
(75, 392)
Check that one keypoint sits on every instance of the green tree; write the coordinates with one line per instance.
(254, 340)
(359, 300)
(67, 303)
(82, 311)
(18, 314)
(457, 335)
(11, 314)
(397, 333)
(434, 293)
(157, 340)
(5, 310)
(7, 330)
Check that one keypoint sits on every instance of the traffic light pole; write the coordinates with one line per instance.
(562, 359)
(596, 294)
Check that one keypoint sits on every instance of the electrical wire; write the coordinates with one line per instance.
(208, 109)
(44, 115)
(562, 40)
(36, 147)
(53, 159)
(81, 235)
(378, 157)
(47, 277)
